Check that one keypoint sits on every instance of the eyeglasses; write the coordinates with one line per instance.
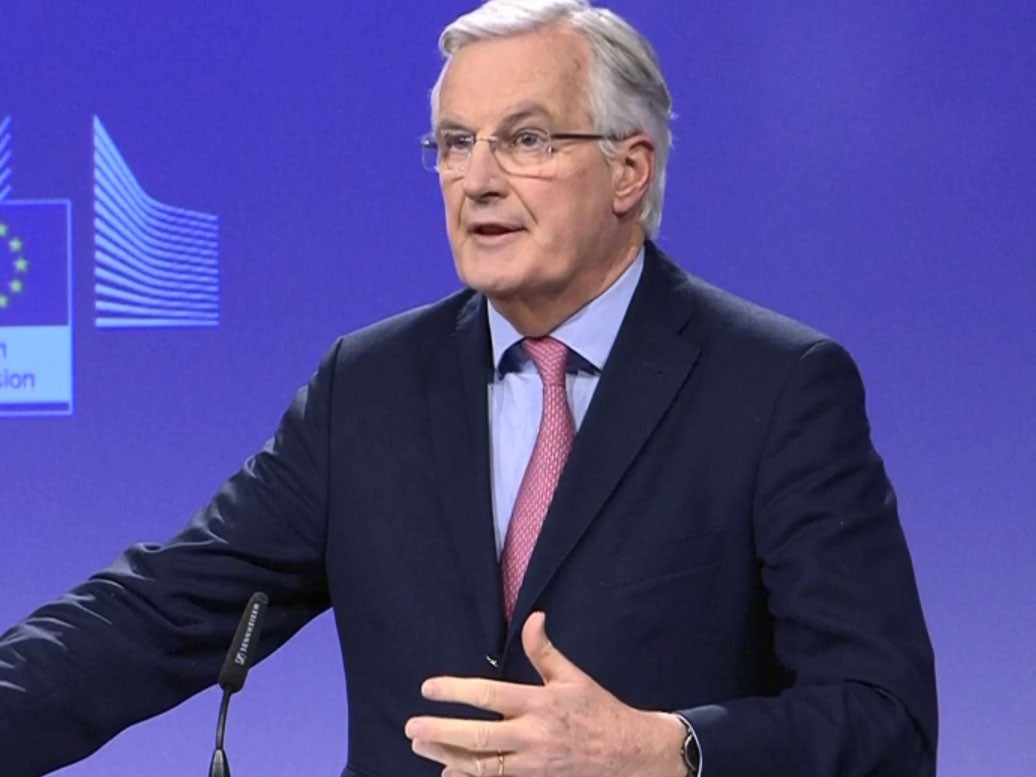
(526, 152)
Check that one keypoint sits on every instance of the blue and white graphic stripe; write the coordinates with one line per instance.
(6, 152)
(156, 265)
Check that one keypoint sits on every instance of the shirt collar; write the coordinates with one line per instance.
(589, 333)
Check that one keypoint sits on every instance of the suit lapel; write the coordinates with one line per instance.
(458, 413)
(648, 364)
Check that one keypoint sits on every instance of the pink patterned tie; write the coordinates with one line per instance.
(553, 442)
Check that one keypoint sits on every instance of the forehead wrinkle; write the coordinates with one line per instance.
(525, 110)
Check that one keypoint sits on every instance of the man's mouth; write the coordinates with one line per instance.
(493, 230)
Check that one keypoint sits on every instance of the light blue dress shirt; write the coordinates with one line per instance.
(516, 392)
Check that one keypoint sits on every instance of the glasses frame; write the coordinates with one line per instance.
(429, 143)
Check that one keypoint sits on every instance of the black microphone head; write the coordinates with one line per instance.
(243, 648)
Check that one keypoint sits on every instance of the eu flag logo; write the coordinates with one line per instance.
(34, 263)
(35, 317)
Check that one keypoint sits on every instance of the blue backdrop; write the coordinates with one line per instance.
(866, 167)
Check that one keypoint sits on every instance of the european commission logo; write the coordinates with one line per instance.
(35, 298)
(156, 265)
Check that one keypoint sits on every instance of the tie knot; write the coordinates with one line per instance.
(550, 357)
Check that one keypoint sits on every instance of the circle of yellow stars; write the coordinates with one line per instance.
(20, 265)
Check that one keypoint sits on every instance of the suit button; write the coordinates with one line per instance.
(493, 660)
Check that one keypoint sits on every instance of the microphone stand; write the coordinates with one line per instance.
(220, 766)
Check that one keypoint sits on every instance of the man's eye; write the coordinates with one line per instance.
(451, 143)
(528, 140)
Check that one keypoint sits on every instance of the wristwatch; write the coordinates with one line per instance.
(689, 750)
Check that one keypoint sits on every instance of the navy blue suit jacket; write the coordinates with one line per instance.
(723, 541)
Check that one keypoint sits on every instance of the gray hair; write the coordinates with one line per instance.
(626, 89)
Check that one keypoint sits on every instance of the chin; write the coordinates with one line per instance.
(486, 274)
(495, 288)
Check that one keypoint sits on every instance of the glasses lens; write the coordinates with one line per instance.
(526, 149)
(429, 154)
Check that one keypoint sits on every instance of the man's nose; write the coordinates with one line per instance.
(484, 176)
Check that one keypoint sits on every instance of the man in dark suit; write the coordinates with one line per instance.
(677, 486)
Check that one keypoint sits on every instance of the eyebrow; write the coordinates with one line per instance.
(519, 113)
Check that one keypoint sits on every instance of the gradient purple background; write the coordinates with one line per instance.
(866, 167)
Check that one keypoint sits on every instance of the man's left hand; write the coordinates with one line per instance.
(568, 727)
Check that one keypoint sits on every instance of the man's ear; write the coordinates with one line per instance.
(633, 168)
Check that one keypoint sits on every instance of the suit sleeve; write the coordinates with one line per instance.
(151, 630)
(847, 624)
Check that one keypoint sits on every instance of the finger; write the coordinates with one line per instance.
(459, 762)
(507, 699)
(434, 752)
(469, 735)
(546, 659)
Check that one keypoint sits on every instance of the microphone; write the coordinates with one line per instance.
(235, 670)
